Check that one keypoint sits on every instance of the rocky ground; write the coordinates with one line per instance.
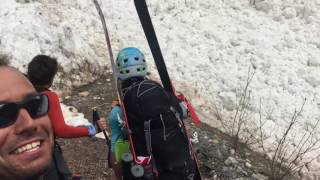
(218, 158)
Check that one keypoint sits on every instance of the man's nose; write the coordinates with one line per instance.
(25, 123)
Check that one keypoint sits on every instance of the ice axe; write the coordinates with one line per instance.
(190, 108)
(95, 118)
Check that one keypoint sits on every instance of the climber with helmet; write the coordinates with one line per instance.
(119, 143)
(155, 118)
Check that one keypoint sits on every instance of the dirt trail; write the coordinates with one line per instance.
(89, 156)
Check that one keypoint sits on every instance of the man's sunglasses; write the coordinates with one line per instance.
(36, 105)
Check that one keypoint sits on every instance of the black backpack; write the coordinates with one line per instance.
(146, 102)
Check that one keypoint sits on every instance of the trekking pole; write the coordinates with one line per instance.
(95, 118)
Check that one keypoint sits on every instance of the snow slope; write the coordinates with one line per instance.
(66, 30)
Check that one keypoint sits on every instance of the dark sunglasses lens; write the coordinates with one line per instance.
(37, 106)
(8, 114)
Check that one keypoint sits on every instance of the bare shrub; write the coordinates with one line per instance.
(291, 152)
(287, 159)
(242, 114)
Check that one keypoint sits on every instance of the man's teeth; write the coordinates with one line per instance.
(28, 147)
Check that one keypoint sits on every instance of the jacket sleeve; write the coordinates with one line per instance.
(60, 128)
(115, 126)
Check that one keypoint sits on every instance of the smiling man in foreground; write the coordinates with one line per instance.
(25, 131)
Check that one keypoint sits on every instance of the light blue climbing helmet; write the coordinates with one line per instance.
(130, 63)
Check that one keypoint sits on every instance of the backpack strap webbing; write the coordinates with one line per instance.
(147, 132)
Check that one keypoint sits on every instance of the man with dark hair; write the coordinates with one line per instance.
(41, 72)
(26, 137)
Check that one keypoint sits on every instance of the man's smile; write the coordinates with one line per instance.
(30, 147)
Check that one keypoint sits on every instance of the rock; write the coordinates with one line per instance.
(212, 172)
(219, 154)
(259, 177)
(96, 98)
(215, 177)
(67, 97)
(240, 170)
(232, 151)
(241, 179)
(231, 161)
(227, 170)
(248, 165)
(223, 146)
(215, 141)
(195, 138)
(84, 94)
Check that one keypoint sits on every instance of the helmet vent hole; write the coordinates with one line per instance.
(143, 68)
(138, 69)
(136, 58)
(125, 60)
(119, 64)
(127, 71)
(144, 60)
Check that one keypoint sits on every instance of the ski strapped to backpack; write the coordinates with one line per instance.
(154, 46)
(146, 23)
(150, 34)
(145, 161)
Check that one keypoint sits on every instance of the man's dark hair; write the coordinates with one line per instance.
(4, 60)
(42, 69)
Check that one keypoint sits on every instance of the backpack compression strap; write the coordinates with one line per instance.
(147, 133)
